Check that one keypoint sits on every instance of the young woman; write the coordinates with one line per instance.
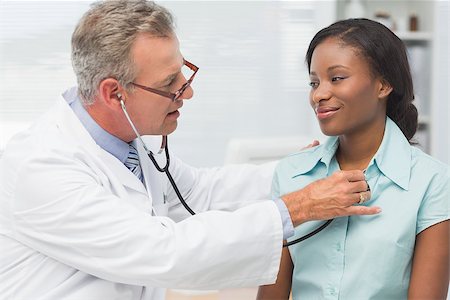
(362, 93)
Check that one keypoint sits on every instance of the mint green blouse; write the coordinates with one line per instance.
(366, 257)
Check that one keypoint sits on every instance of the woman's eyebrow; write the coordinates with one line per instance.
(336, 67)
(329, 69)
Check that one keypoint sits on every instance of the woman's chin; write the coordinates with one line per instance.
(329, 131)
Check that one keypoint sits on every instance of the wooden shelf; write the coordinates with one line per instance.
(415, 35)
(424, 119)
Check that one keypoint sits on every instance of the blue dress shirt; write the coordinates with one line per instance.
(366, 257)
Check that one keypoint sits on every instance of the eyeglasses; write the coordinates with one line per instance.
(173, 96)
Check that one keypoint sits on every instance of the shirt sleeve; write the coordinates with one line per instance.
(288, 226)
(226, 188)
(435, 205)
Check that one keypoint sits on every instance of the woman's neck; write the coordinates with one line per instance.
(357, 149)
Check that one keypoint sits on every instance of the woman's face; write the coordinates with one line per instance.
(345, 96)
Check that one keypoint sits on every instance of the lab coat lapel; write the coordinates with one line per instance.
(153, 178)
(119, 170)
(69, 124)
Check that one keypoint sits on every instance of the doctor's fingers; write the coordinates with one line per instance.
(353, 193)
(345, 205)
(340, 185)
(359, 210)
(357, 186)
(313, 144)
(350, 176)
(349, 204)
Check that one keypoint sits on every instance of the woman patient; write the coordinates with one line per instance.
(362, 93)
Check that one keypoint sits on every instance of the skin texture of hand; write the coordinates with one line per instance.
(328, 198)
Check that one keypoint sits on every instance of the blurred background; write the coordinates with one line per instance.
(251, 93)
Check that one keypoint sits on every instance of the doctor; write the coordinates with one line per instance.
(77, 223)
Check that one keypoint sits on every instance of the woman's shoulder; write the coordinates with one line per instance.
(429, 175)
(424, 164)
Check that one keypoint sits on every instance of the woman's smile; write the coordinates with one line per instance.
(325, 112)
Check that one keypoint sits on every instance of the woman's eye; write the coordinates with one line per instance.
(337, 78)
(313, 84)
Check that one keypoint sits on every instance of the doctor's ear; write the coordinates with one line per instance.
(111, 92)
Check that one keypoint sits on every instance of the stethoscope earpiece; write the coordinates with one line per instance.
(122, 103)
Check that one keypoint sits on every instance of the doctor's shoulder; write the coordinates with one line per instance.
(42, 147)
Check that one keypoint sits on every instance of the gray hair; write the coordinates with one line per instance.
(102, 41)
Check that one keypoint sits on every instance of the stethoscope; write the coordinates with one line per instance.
(164, 147)
(321, 227)
(307, 236)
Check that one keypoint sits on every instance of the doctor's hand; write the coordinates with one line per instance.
(313, 144)
(334, 196)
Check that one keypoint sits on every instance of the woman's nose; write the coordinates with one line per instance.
(320, 93)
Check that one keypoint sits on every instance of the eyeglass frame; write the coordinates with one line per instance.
(172, 96)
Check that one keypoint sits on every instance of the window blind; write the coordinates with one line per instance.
(252, 81)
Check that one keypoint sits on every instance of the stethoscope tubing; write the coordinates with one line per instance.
(165, 169)
(164, 146)
(307, 236)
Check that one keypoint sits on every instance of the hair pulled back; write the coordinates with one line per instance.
(387, 58)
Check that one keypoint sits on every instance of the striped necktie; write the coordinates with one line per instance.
(132, 162)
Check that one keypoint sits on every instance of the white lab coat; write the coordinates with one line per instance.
(75, 223)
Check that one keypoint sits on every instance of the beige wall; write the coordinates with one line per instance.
(234, 294)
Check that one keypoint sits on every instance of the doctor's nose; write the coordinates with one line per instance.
(185, 92)
(188, 93)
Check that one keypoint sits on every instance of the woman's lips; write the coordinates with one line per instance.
(325, 112)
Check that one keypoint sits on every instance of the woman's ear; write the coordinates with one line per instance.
(385, 89)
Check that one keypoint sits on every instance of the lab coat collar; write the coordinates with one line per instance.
(71, 126)
(104, 139)
(393, 157)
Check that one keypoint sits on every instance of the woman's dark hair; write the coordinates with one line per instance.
(387, 58)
